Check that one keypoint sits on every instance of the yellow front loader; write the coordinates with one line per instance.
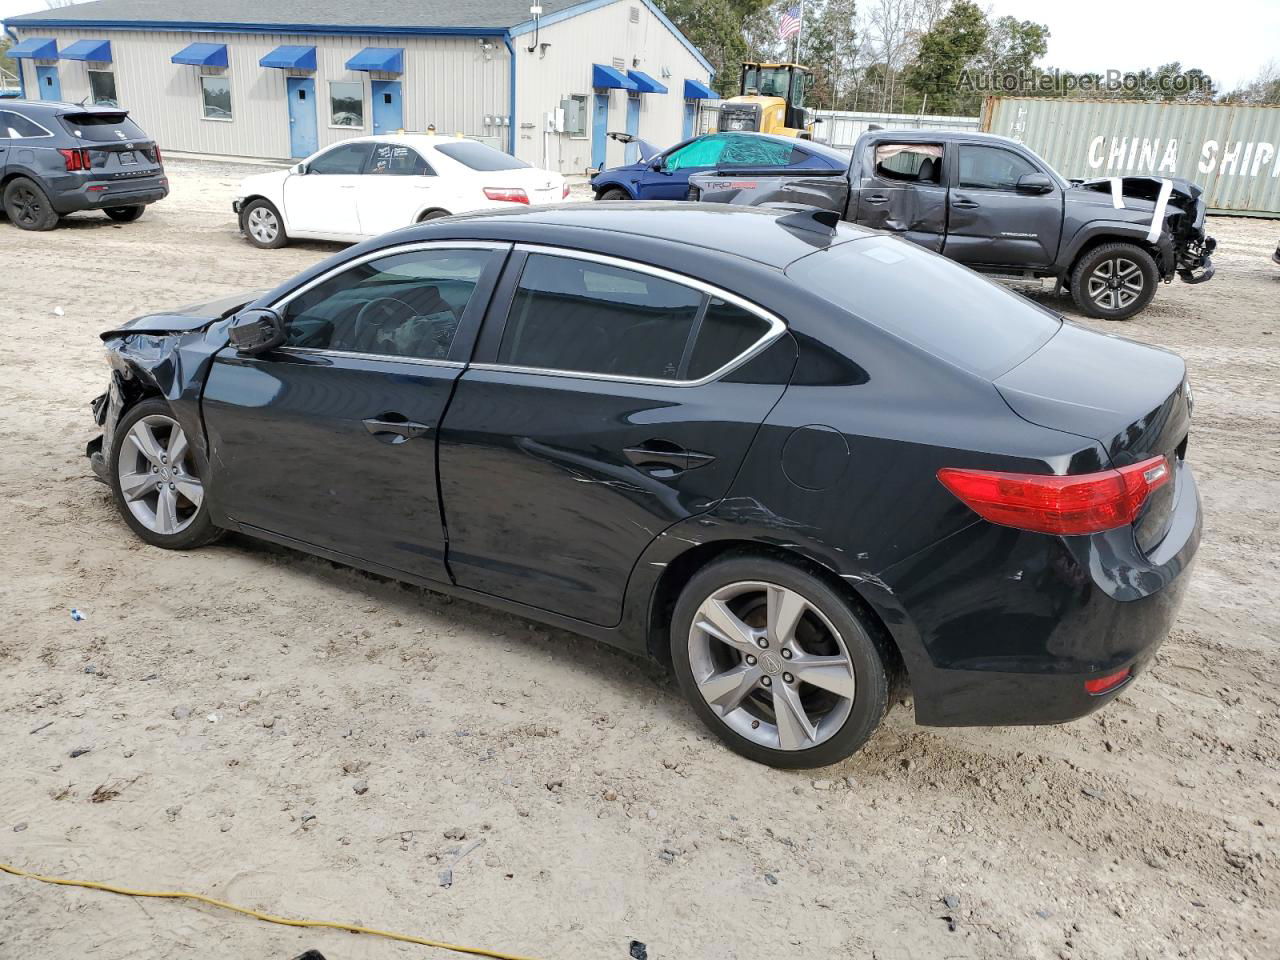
(770, 100)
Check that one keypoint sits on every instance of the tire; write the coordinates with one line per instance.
(840, 711)
(614, 193)
(140, 499)
(124, 214)
(28, 206)
(262, 225)
(433, 215)
(1114, 281)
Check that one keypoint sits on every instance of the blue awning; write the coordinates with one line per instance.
(608, 78)
(697, 90)
(35, 48)
(95, 51)
(645, 83)
(379, 60)
(290, 58)
(202, 55)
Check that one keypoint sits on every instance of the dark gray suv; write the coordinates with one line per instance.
(59, 158)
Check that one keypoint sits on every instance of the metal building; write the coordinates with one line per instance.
(1231, 150)
(281, 78)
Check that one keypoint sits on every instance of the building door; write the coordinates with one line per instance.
(388, 112)
(690, 117)
(599, 129)
(302, 116)
(47, 80)
(633, 126)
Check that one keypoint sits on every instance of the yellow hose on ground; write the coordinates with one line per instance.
(269, 918)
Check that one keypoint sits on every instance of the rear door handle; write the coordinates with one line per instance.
(877, 198)
(665, 458)
(393, 428)
(964, 203)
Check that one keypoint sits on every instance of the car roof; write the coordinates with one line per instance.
(938, 136)
(750, 233)
(58, 106)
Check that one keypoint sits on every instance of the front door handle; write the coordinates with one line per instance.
(877, 198)
(964, 203)
(664, 458)
(393, 428)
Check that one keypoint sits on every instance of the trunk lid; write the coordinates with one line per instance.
(1131, 398)
(541, 186)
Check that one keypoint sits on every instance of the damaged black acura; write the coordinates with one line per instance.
(673, 427)
(995, 206)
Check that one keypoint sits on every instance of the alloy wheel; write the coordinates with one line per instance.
(157, 475)
(27, 204)
(1115, 283)
(264, 226)
(771, 665)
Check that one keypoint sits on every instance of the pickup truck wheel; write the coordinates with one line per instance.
(1114, 281)
(613, 193)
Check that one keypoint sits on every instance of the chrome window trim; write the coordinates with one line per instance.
(279, 305)
(776, 325)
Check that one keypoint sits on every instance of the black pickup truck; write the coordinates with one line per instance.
(994, 205)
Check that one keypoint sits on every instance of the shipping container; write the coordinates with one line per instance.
(1231, 151)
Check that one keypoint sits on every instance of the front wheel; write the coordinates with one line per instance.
(780, 667)
(157, 479)
(124, 214)
(614, 193)
(1114, 281)
(262, 225)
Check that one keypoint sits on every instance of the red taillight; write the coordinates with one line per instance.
(1105, 684)
(565, 194)
(159, 159)
(76, 160)
(1084, 503)
(509, 194)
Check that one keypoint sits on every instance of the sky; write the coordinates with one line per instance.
(1229, 39)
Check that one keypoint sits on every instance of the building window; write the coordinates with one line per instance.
(346, 105)
(216, 95)
(102, 87)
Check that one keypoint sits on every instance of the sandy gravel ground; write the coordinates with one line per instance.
(232, 701)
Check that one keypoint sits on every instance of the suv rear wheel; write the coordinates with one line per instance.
(124, 214)
(1114, 281)
(28, 206)
(782, 668)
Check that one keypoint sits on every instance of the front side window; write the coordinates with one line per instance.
(912, 162)
(392, 159)
(703, 152)
(406, 305)
(579, 316)
(991, 168)
(102, 88)
(347, 159)
(346, 104)
(215, 93)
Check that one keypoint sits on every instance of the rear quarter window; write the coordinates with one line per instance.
(101, 127)
(928, 301)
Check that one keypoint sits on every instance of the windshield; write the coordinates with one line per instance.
(479, 156)
(775, 82)
(941, 307)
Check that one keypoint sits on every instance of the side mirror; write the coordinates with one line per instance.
(256, 331)
(657, 164)
(1035, 183)
(299, 168)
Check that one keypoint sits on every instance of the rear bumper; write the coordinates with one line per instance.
(100, 194)
(1002, 627)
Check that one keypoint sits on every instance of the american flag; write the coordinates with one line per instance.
(789, 23)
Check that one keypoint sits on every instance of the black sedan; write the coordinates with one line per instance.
(804, 463)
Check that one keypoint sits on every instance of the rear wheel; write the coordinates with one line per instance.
(28, 205)
(262, 225)
(781, 667)
(1114, 281)
(124, 214)
(157, 480)
(613, 193)
(433, 215)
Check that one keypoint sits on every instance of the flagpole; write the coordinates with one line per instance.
(799, 34)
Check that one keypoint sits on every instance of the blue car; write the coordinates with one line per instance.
(665, 175)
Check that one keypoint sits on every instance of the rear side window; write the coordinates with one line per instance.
(578, 316)
(480, 156)
(16, 126)
(925, 299)
(347, 159)
(913, 162)
(392, 159)
(101, 127)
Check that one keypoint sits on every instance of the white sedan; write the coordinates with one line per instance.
(360, 188)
